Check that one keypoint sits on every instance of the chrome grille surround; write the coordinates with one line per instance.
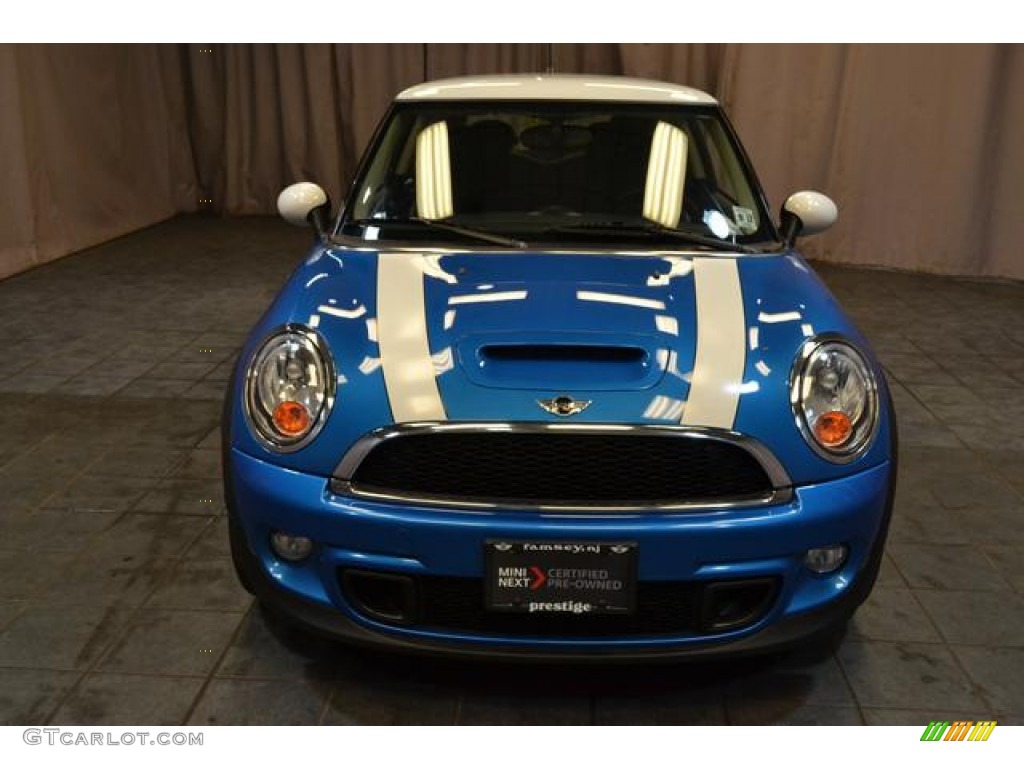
(343, 483)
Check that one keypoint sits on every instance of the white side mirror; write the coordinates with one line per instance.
(298, 202)
(807, 213)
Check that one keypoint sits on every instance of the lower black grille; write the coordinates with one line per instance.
(663, 608)
(562, 468)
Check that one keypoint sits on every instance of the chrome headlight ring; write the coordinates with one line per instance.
(834, 396)
(289, 381)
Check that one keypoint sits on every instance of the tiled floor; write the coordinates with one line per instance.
(118, 603)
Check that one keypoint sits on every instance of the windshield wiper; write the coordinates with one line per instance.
(651, 230)
(479, 234)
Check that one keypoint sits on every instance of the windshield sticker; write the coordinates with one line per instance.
(744, 218)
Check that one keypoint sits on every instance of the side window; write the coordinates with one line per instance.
(388, 188)
(726, 184)
(717, 169)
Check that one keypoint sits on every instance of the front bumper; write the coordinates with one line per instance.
(691, 546)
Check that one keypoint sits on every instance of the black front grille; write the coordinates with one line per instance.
(549, 467)
(456, 604)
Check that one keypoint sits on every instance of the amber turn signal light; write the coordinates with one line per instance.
(833, 429)
(291, 418)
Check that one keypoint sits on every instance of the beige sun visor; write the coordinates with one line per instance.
(433, 173)
(666, 174)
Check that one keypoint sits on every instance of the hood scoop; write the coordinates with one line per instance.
(572, 364)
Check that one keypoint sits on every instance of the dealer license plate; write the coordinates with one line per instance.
(561, 577)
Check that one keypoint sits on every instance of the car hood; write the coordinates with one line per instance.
(634, 338)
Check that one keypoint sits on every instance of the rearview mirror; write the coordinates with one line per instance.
(807, 213)
(305, 203)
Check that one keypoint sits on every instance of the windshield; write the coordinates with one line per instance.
(556, 172)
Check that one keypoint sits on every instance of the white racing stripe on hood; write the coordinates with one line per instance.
(721, 345)
(402, 336)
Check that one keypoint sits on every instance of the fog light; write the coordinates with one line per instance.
(291, 548)
(826, 559)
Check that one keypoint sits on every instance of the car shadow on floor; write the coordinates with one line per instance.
(370, 686)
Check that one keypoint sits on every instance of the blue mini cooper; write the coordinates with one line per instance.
(553, 384)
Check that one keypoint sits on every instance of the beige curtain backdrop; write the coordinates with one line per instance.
(919, 144)
(93, 144)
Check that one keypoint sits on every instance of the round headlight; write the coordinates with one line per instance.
(289, 389)
(835, 399)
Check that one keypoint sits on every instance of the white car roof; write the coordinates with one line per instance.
(556, 87)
